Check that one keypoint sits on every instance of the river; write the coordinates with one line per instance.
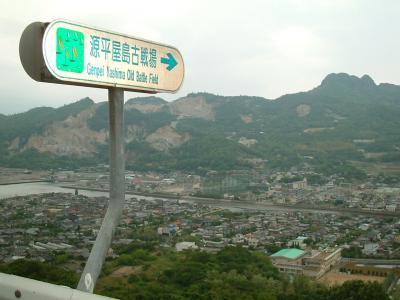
(22, 189)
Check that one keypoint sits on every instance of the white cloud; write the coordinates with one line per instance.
(263, 48)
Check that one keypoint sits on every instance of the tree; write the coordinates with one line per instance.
(359, 290)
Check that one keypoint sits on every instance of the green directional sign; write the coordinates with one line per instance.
(70, 46)
(83, 55)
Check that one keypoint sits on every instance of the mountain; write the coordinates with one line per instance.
(345, 118)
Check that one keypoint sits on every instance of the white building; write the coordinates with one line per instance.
(298, 242)
(185, 246)
(299, 185)
(391, 207)
(370, 248)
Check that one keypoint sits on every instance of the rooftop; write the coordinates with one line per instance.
(291, 253)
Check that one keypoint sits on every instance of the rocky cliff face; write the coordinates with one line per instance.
(73, 136)
(69, 137)
(166, 138)
(193, 107)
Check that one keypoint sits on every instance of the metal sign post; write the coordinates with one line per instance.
(117, 192)
(65, 52)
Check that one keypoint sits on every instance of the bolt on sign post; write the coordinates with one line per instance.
(65, 52)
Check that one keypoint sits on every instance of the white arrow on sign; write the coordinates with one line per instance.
(80, 54)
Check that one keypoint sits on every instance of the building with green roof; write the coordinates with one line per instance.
(312, 263)
(290, 253)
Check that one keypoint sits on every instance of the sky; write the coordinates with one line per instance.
(257, 48)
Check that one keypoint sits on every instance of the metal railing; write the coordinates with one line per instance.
(15, 287)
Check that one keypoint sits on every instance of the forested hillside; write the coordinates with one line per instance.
(344, 119)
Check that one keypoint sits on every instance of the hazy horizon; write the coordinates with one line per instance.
(169, 99)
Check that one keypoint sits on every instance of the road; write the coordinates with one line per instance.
(368, 261)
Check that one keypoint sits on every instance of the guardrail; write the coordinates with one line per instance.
(15, 287)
